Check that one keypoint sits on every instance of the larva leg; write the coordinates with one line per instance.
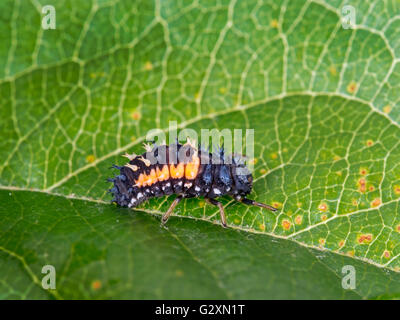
(221, 210)
(258, 204)
(166, 215)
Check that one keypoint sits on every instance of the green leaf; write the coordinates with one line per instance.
(323, 103)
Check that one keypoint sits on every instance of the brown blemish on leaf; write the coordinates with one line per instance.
(298, 219)
(277, 205)
(362, 185)
(376, 202)
(369, 143)
(96, 285)
(274, 23)
(274, 156)
(386, 254)
(286, 224)
(323, 207)
(352, 87)
(90, 158)
(364, 238)
(263, 171)
(387, 109)
(148, 66)
(135, 115)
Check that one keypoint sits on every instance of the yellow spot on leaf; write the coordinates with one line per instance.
(298, 219)
(323, 207)
(336, 158)
(286, 224)
(90, 158)
(148, 66)
(364, 238)
(321, 241)
(386, 254)
(277, 205)
(262, 227)
(135, 115)
(363, 171)
(350, 253)
(96, 285)
(324, 217)
(341, 243)
(352, 87)
(362, 185)
(332, 70)
(236, 221)
(253, 161)
(387, 109)
(369, 143)
(274, 23)
(376, 202)
(398, 228)
(274, 156)
(396, 189)
(222, 90)
(263, 171)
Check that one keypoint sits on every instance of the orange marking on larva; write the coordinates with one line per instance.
(386, 254)
(192, 168)
(152, 177)
(178, 171)
(163, 174)
(96, 285)
(140, 181)
(298, 219)
(352, 87)
(286, 224)
(376, 202)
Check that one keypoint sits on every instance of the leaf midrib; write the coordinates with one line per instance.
(234, 227)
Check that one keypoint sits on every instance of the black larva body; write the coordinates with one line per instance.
(144, 177)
